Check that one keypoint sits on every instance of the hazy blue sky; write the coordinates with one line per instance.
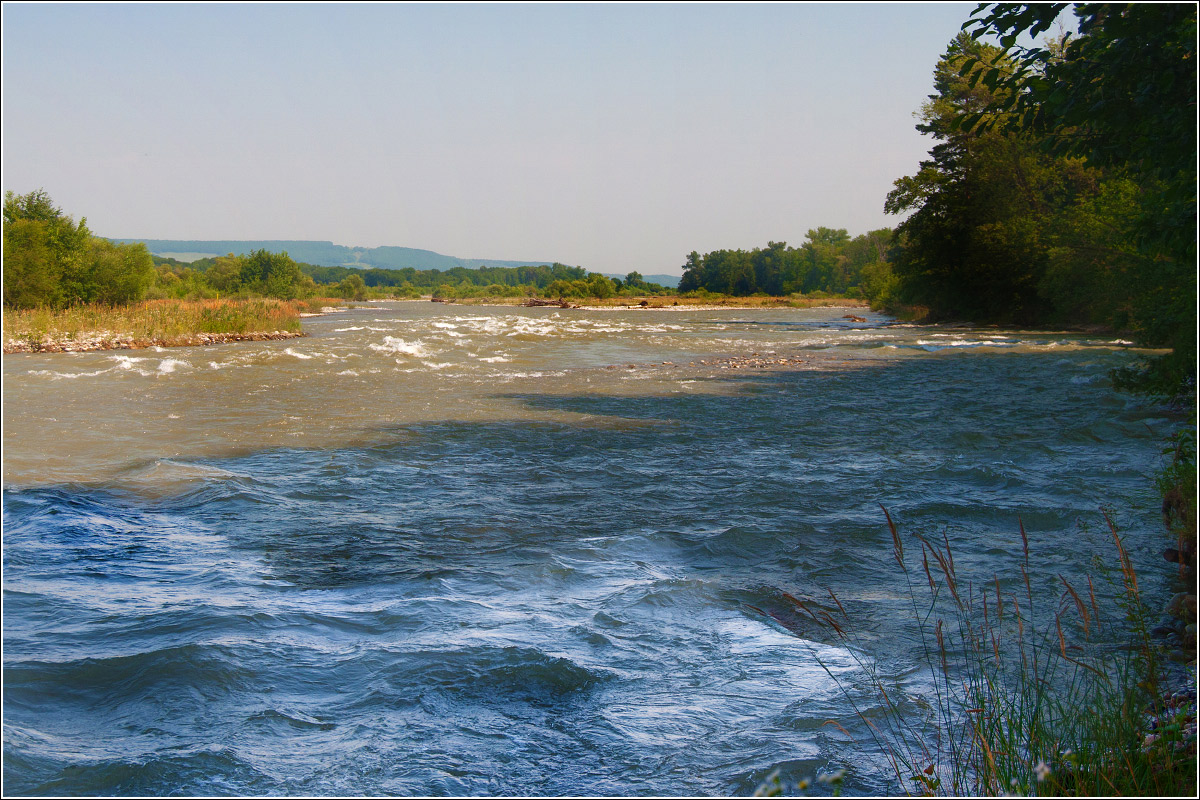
(615, 137)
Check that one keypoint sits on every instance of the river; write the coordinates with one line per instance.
(445, 550)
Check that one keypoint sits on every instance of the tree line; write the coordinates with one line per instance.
(829, 261)
(50, 260)
(1062, 184)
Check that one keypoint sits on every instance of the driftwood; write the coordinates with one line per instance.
(534, 302)
(853, 318)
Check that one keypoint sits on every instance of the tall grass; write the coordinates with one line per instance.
(1032, 694)
(164, 322)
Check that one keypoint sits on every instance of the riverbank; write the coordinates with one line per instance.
(104, 340)
(155, 323)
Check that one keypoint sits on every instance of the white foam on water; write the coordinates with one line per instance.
(394, 344)
(57, 375)
(169, 365)
(126, 362)
(496, 359)
(294, 354)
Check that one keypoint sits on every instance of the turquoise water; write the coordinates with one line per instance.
(462, 551)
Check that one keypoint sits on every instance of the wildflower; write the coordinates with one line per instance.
(803, 785)
(772, 786)
(1042, 770)
(832, 777)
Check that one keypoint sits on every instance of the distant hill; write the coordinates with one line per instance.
(324, 254)
(670, 281)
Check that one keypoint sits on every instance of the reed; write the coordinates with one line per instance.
(1031, 695)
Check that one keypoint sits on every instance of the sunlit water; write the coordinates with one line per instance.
(445, 550)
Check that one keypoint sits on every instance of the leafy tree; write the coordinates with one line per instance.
(52, 260)
(272, 274)
(50, 271)
(1122, 96)
(117, 273)
(352, 288)
(600, 286)
(225, 273)
(31, 273)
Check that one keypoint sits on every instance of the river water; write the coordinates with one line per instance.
(440, 550)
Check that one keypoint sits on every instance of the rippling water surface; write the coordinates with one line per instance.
(462, 550)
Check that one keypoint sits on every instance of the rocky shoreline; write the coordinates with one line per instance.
(1174, 723)
(109, 341)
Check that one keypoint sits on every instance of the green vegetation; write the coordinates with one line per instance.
(1062, 185)
(829, 261)
(1032, 693)
(50, 260)
(149, 322)
(552, 281)
(326, 253)
(1176, 483)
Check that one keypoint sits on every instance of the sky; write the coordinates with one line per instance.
(615, 137)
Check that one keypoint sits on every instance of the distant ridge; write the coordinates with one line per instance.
(326, 254)
(669, 281)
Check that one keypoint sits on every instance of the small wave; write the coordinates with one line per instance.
(294, 720)
(136, 677)
(514, 673)
(394, 344)
(207, 771)
(48, 373)
(127, 362)
(169, 365)
(292, 352)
